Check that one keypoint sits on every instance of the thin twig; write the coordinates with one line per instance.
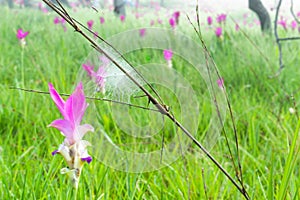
(207, 56)
(293, 13)
(288, 38)
(281, 66)
(90, 98)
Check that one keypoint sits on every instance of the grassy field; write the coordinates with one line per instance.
(267, 130)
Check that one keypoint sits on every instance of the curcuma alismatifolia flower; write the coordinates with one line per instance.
(21, 35)
(73, 148)
(168, 54)
(97, 76)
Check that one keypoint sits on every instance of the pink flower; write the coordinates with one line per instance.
(90, 24)
(99, 76)
(122, 18)
(73, 149)
(221, 18)
(176, 16)
(218, 31)
(172, 22)
(62, 21)
(72, 111)
(298, 14)
(21, 34)
(159, 21)
(209, 20)
(102, 20)
(220, 83)
(282, 22)
(168, 54)
(294, 24)
(142, 32)
(56, 20)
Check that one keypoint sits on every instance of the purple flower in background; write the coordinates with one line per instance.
(220, 83)
(172, 22)
(102, 20)
(298, 14)
(294, 24)
(122, 18)
(97, 76)
(283, 23)
(218, 31)
(73, 149)
(62, 21)
(176, 16)
(168, 54)
(90, 24)
(159, 21)
(21, 34)
(221, 18)
(56, 20)
(142, 32)
(209, 20)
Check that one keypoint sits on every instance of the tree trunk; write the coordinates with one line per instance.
(262, 13)
(10, 3)
(27, 3)
(119, 7)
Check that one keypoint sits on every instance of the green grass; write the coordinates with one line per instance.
(267, 132)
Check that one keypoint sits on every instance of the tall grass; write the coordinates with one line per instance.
(267, 131)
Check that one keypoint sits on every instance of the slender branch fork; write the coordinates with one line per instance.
(278, 39)
(162, 108)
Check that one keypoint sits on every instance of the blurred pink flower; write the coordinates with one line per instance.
(122, 18)
(298, 14)
(56, 20)
(159, 21)
(209, 20)
(220, 83)
(102, 20)
(21, 34)
(142, 32)
(218, 31)
(283, 23)
(294, 24)
(221, 18)
(90, 24)
(97, 76)
(168, 54)
(62, 21)
(176, 16)
(172, 22)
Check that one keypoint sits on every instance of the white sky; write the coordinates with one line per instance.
(236, 5)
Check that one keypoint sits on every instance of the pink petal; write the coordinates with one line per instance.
(89, 69)
(83, 129)
(65, 127)
(75, 105)
(59, 102)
